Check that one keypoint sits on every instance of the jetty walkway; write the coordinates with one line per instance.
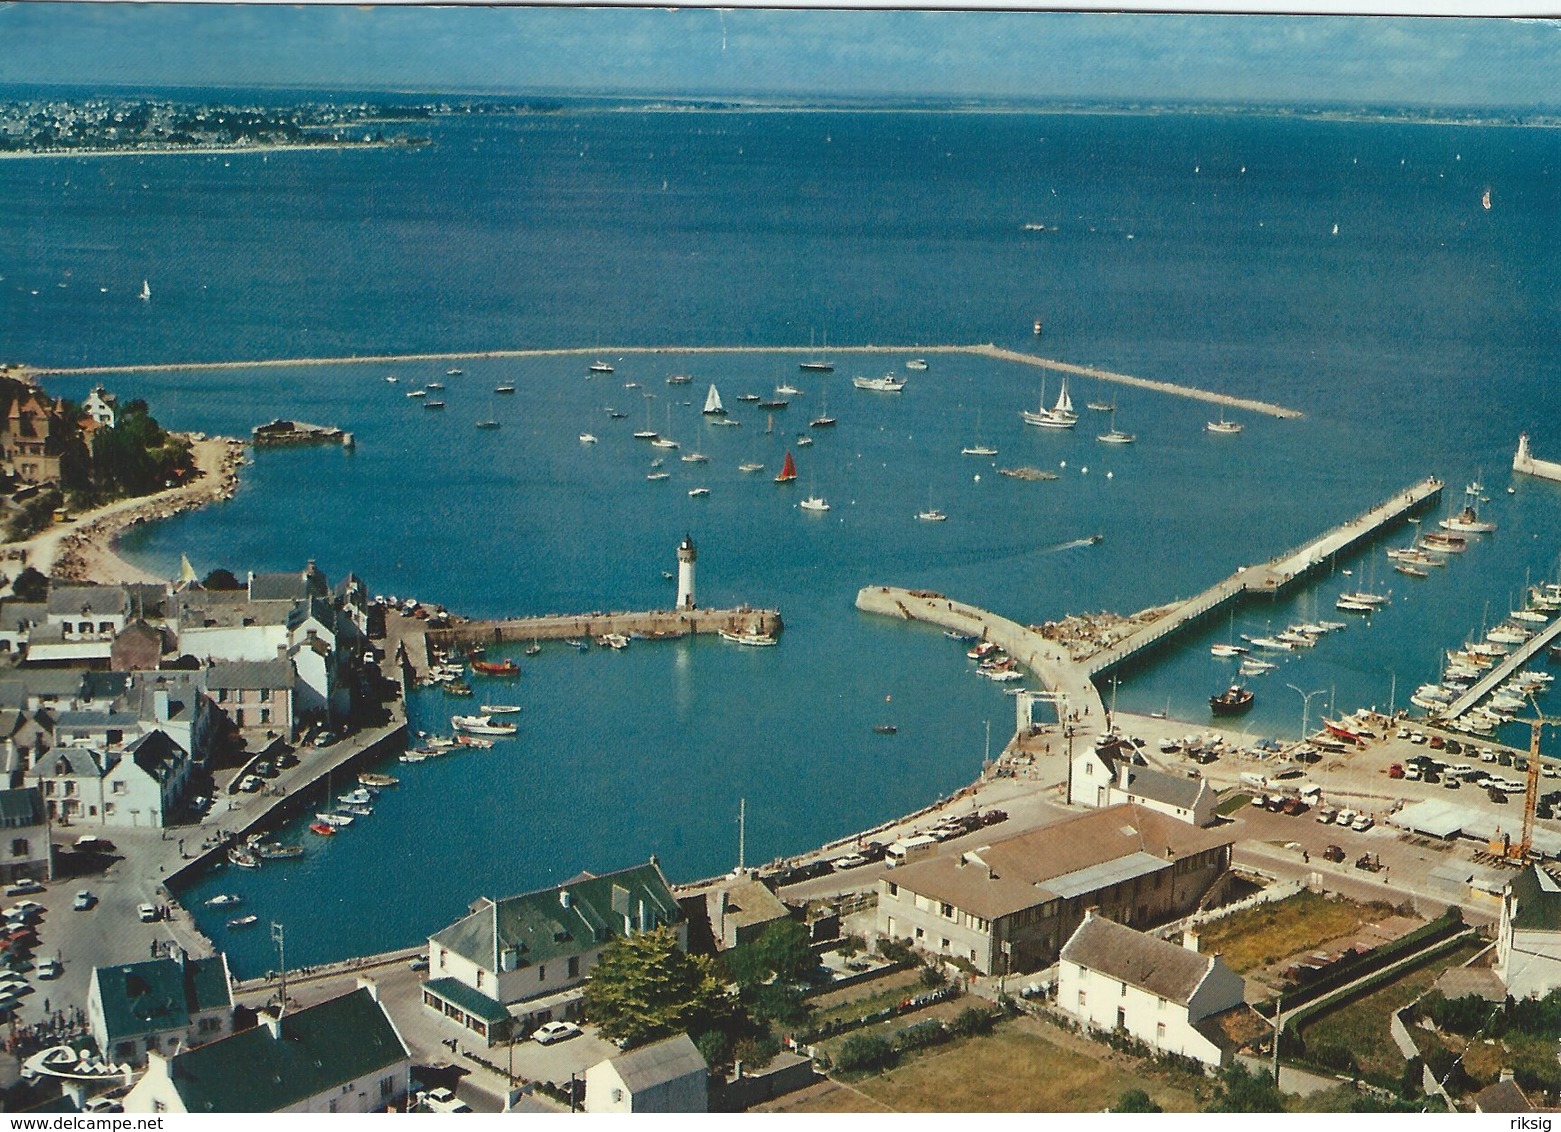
(656, 624)
(1071, 680)
(1190, 391)
(1510, 663)
(982, 350)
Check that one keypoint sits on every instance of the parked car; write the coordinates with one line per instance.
(419, 963)
(1362, 823)
(1450, 783)
(49, 968)
(265, 770)
(1333, 853)
(850, 861)
(442, 1100)
(1396, 770)
(249, 784)
(147, 913)
(83, 900)
(24, 887)
(550, 1032)
(325, 739)
(1412, 774)
(1326, 815)
(992, 817)
(1496, 794)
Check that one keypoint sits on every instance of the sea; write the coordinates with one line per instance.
(1348, 269)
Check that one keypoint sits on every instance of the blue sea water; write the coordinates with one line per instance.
(1192, 248)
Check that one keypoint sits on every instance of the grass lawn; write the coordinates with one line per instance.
(1233, 804)
(1256, 937)
(854, 1002)
(1025, 1065)
(1361, 1026)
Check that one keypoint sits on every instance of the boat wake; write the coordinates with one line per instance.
(1072, 544)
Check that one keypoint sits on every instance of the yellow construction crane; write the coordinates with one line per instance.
(1522, 852)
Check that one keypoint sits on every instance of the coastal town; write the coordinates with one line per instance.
(1124, 912)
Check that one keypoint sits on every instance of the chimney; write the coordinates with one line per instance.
(272, 1023)
(1124, 771)
(565, 900)
(1507, 1075)
(1089, 913)
(1190, 940)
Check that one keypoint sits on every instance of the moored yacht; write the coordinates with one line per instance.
(885, 384)
(1060, 415)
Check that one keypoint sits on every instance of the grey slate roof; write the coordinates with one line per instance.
(104, 685)
(1538, 901)
(160, 994)
(20, 808)
(182, 689)
(308, 582)
(248, 674)
(55, 683)
(81, 762)
(656, 1064)
(541, 927)
(1163, 969)
(231, 609)
(321, 1048)
(95, 720)
(72, 601)
(13, 695)
(157, 754)
(1503, 1096)
(15, 615)
(1169, 789)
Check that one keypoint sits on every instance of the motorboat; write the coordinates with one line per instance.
(1233, 701)
(698, 492)
(1467, 521)
(679, 379)
(750, 467)
(751, 637)
(340, 821)
(814, 503)
(656, 476)
(1222, 427)
(695, 458)
(786, 389)
(481, 725)
(248, 921)
(224, 900)
(749, 398)
(454, 372)
(380, 781)
(1410, 569)
(1225, 651)
(931, 515)
(804, 441)
(600, 367)
(417, 393)
(505, 388)
(495, 709)
(916, 364)
(885, 384)
(357, 797)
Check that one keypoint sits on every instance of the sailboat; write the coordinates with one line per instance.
(646, 433)
(665, 441)
(978, 448)
(713, 406)
(931, 514)
(1116, 435)
(146, 292)
(823, 420)
(788, 472)
(1222, 426)
(1060, 415)
(817, 365)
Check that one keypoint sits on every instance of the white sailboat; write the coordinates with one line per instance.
(978, 448)
(1060, 415)
(146, 292)
(713, 406)
(1116, 435)
(1222, 426)
(646, 433)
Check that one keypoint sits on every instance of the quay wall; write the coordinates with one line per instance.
(656, 622)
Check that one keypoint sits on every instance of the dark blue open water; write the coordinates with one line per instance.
(1418, 340)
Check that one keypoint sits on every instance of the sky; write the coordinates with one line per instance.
(1399, 60)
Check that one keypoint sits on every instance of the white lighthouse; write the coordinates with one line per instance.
(686, 556)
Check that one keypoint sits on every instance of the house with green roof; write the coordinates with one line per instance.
(511, 965)
(25, 850)
(1528, 936)
(341, 1055)
(134, 1009)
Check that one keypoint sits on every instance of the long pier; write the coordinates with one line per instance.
(1175, 390)
(1510, 663)
(656, 624)
(983, 350)
(1272, 576)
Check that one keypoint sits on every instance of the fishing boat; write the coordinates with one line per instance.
(378, 781)
(600, 367)
(505, 388)
(1444, 542)
(243, 858)
(224, 900)
(1340, 730)
(885, 384)
(1222, 427)
(1467, 521)
(481, 725)
(495, 709)
(713, 406)
(1233, 701)
(496, 668)
(587, 438)
(814, 503)
(788, 472)
(751, 637)
(248, 921)
(679, 379)
(750, 467)
(473, 742)
(276, 851)
(1060, 415)
(885, 729)
(916, 364)
(417, 393)
(698, 492)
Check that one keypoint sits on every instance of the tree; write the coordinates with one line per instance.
(220, 579)
(1243, 1090)
(1135, 1100)
(644, 988)
(781, 954)
(1410, 1083)
(863, 1051)
(30, 585)
(975, 1020)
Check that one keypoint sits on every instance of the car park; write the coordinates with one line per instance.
(550, 1032)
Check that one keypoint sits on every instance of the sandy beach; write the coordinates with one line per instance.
(83, 549)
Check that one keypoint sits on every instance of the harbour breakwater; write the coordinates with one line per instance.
(984, 350)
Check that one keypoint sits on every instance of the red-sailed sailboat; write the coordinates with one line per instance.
(788, 472)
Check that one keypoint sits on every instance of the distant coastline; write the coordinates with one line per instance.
(204, 150)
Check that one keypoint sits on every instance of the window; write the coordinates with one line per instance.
(108, 808)
(265, 715)
(574, 966)
(894, 890)
(1161, 1004)
(541, 972)
(945, 943)
(617, 1096)
(19, 847)
(442, 954)
(1121, 1018)
(948, 911)
(1124, 990)
(920, 933)
(1159, 1031)
(480, 973)
(238, 717)
(117, 786)
(1081, 998)
(222, 695)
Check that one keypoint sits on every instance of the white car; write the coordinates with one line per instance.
(1403, 733)
(1362, 823)
(551, 1032)
(1345, 817)
(83, 900)
(443, 1100)
(146, 913)
(49, 968)
(1325, 815)
(24, 910)
(1487, 756)
(851, 861)
(24, 887)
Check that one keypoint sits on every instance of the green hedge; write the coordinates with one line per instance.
(1449, 923)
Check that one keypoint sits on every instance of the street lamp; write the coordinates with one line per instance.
(1306, 703)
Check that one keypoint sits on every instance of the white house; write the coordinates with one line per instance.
(513, 964)
(25, 849)
(1112, 977)
(1190, 800)
(101, 406)
(341, 1055)
(226, 625)
(159, 1005)
(1093, 770)
(141, 785)
(665, 1076)
(1528, 935)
